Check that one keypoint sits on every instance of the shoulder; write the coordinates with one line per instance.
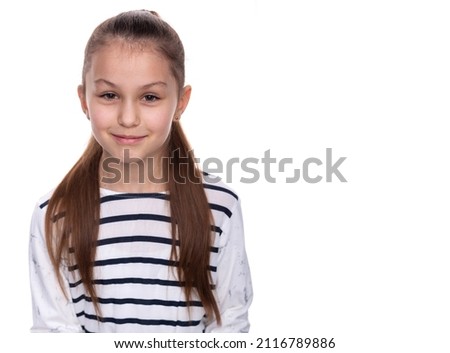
(218, 192)
(42, 201)
(223, 201)
(40, 209)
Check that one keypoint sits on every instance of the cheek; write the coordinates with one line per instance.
(158, 121)
(101, 116)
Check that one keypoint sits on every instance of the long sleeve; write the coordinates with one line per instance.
(233, 284)
(52, 310)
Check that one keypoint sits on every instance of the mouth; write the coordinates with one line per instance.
(128, 139)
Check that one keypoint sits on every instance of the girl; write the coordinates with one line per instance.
(135, 238)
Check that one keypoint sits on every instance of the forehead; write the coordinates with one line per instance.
(120, 61)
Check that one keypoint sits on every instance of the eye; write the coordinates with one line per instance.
(150, 98)
(109, 96)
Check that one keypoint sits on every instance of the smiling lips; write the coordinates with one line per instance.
(128, 139)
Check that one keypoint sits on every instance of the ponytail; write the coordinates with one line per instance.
(191, 222)
(72, 219)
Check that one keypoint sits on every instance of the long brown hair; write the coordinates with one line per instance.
(72, 218)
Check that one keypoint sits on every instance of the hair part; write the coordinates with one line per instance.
(73, 214)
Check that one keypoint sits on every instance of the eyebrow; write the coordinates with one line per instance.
(113, 85)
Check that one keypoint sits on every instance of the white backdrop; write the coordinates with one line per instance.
(366, 261)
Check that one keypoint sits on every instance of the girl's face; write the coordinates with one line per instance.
(131, 99)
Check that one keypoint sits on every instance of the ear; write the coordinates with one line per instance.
(183, 101)
(82, 97)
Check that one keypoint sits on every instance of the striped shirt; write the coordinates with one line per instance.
(135, 279)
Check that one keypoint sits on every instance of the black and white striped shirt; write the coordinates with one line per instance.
(135, 280)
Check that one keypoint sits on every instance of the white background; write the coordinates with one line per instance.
(365, 262)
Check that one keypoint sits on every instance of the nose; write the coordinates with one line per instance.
(128, 115)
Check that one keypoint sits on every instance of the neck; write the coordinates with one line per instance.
(146, 175)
